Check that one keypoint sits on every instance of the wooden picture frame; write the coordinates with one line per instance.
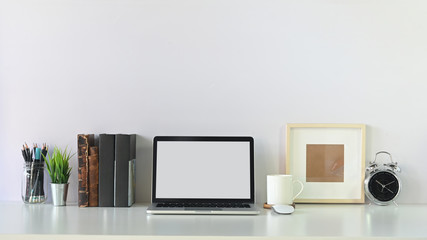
(330, 161)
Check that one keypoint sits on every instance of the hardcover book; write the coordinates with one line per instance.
(93, 177)
(106, 170)
(121, 173)
(84, 141)
(124, 170)
(132, 170)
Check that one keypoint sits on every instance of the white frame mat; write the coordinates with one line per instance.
(352, 136)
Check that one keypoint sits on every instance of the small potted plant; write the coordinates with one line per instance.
(59, 171)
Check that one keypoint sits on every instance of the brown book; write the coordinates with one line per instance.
(84, 141)
(93, 176)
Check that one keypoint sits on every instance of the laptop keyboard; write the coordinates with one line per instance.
(208, 205)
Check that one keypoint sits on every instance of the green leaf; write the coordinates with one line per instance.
(58, 165)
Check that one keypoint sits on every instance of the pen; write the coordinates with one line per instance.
(24, 153)
(37, 154)
(27, 150)
(44, 151)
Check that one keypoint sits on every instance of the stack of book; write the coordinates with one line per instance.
(107, 176)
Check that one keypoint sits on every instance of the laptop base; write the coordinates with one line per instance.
(252, 210)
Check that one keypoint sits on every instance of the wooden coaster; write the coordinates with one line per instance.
(268, 206)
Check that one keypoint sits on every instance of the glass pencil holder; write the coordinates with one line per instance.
(33, 183)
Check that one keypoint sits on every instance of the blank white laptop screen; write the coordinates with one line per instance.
(203, 169)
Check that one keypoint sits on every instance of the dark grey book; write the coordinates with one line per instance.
(132, 170)
(106, 170)
(121, 170)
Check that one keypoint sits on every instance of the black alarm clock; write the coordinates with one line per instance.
(382, 182)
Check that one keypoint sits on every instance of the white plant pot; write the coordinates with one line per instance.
(59, 193)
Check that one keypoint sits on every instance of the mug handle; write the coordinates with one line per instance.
(300, 191)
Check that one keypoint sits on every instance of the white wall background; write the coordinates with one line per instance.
(212, 67)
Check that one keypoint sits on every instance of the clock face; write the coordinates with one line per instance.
(384, 186)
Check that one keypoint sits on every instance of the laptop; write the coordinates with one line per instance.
(203, 175)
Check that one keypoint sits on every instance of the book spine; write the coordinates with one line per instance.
(93, 177)
(121, 177)
(83, 144)
(132, 171)
(106, 170)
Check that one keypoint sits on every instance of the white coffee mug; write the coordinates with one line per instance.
(280, 189)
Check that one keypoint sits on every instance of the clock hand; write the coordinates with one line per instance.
(389, 190)
(389, 183)
(382, 185)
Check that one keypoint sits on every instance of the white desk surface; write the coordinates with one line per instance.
(309, 221)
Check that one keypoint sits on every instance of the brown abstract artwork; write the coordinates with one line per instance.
(325, 163)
